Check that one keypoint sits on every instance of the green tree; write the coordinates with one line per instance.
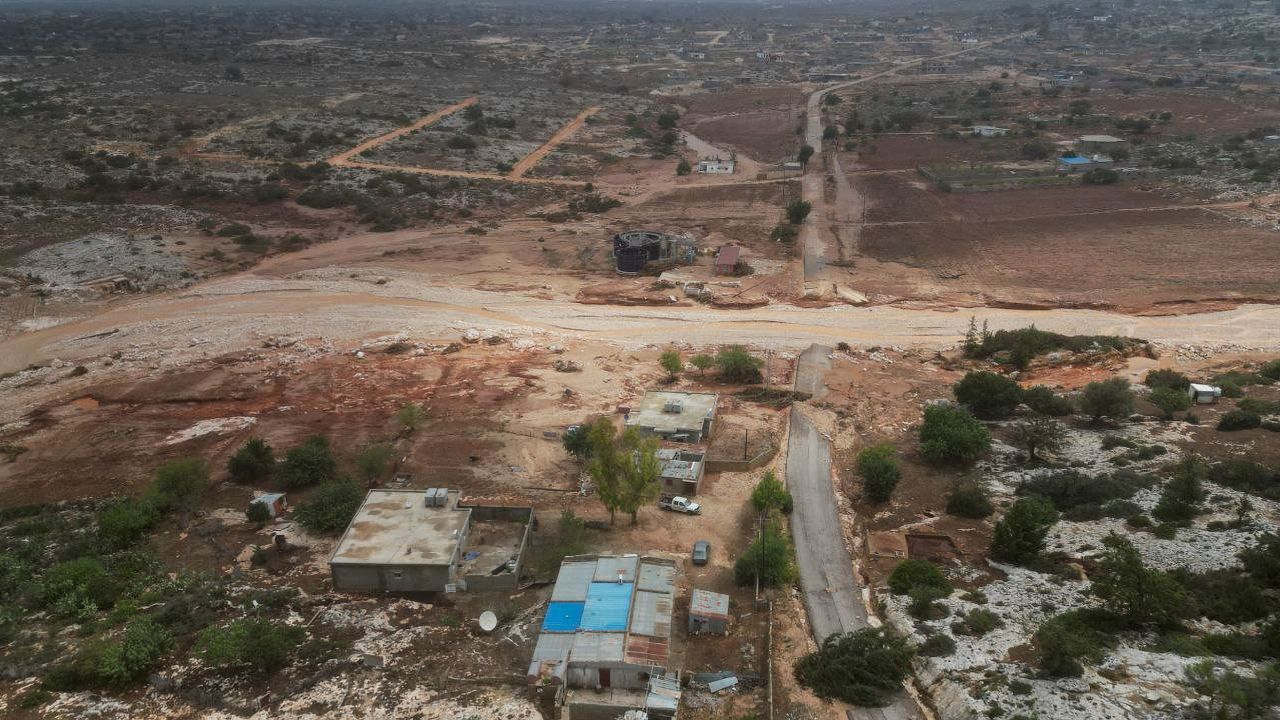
(640, 470)
(372, 462)
(1043, 400)
(1170, 400)
(577, 441)
(830, 132)
(71, 585)
(1135, 593)
(806, 152)
(1262, 561)
(1107, 398)
(969, 500)
(797, 211)
(1019, 536)
(1180, 501)
(683, 168)
(178, 482)
(1166, 378)
(1039, 433)
(331, 506)
(878, 468)
(311, 463)
(667, 119)
(1060, 643)
(253, 462)
(913, 573)
(411, 416)
(951, 435)
(143, 644)
(702, 361)
(262, 644)
(606, 465)
(865, 668)
(769, 494)
(736, 365)
(987, 395)
(258, 513)
(671, 362)
(767, 558)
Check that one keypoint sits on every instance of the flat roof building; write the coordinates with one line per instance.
(419, 541)
(676, 416)
(607, 630)
(681, 471)
(708, 613)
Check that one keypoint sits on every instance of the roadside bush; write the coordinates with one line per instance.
(784, 233)
(576, 441)
(1043, 400)
(1239, 420)
(1170, 400)
(969, 500)
(879, 470)
(311, 463)
(593, 203)
(768, 558)
(253, 462)
(261, 644)
(736, 365)
(797, 211)
(924, 605)
(864, 668)
(142, 646)
(1166, 378)
(331, 506)
(1108, 398)
(1100, 176)
(987, 395)
(951, 435)
(913, 573)
(1019, 536)
(1024, 344)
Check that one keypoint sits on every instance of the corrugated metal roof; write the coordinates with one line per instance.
(573, 581)
(656, 577)
(664, 694)
(643, 650)
(607, 608)
(705, 603)
(597, 647)
(562, 617)
(651, 614)
(608, 569)
(552, 646)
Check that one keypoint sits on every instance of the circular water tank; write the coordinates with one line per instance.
(488, 621)
(631, 260)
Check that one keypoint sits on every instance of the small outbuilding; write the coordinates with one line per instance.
(727, 259)
(716, 167)
(708, 613)
(989, 131)
(275, 502)
(1204, 394)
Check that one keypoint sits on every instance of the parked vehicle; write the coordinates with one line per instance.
(676, 503)
(701, 552)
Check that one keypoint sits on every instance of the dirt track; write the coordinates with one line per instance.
(344, 158)
(529, 161)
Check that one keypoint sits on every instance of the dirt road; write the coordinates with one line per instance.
(344, 157)
(528, 162)
(832, 595)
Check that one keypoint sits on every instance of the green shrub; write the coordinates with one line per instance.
(1120, 509)
(1170, 400)
(1246, 476)
(987, 395)
(1019, 536)
(864, 668)
(1240, 379)
(736, 365)
(126, 522)
(797, 211)
(261, 644)
(1043, 400)
(1239, 420)
(252, 463)
(331, 506)
(1166, 378)
(979, 622)
(1228, 596)
(969, 500)
(143, 644)
(1063, 641)
(311, 463)
(914, 572)
(1068, 488)
(768, 558)
(178, 482)
(1135, 593)
(76, 587)
(937, 646)
(951, 435)
(1233, 695)
(1270, 370)
(1180, 501)
(923, 605)
(1262, 561)
(1108, 398)
(769, 494)
(258, 513)
(879, 470)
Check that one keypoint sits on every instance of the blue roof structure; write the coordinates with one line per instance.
(607, 608)
(1077, 160)
(562, 617)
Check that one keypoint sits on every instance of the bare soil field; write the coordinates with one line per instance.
(760, 123)
(1194, 110)
(903, 152)
(1077, 246)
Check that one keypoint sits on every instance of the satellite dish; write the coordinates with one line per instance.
(488, 621)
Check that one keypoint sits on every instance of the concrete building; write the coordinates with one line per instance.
(681, 471)
(1099, 143)
(425, 541)
(989, 131)
(716, 167)
(708, 613)
(1081, 163)
(676, 416)
(1204, 394)
(605, 643)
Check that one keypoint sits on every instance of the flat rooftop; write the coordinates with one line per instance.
(395, 527)
(673, 411)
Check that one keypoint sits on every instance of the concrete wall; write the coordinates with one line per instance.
(511, 580)
(391, 578)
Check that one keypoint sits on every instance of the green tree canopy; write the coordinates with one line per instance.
(671, 362)
(311, 463)
(951, 435)
(878, 468)
(768, 557)
(1135, 593)
(864, 668)
(253, 462)
(1019, 536)
(1107, 398)
(736, 365)
(769, 494)
(987, 395)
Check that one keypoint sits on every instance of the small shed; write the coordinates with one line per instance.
(708, 613)
(727, 259)
(1204, 394)
(275, 502)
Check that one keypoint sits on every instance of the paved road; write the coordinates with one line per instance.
(832, 595)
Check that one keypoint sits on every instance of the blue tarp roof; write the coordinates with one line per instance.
(562, 617)
(607, 608)
(1075, 160)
